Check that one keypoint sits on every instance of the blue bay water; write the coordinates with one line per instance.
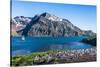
(39, 44)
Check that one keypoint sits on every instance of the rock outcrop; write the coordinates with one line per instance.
(90, 40)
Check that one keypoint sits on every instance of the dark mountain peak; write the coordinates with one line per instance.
(51, 16)
(45, 14)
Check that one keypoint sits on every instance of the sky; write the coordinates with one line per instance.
(82, 16)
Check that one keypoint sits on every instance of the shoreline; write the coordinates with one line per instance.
(56, 57)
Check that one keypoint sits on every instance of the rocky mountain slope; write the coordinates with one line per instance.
(46, 24)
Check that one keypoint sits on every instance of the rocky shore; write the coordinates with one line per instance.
(55, 57)
(91, 41)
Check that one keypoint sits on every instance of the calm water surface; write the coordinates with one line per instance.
(38, 44)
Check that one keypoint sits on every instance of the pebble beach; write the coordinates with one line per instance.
(68, 56)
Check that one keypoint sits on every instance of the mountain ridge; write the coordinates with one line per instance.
(47, 24)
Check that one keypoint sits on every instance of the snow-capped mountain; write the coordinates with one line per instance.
(46, 24)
